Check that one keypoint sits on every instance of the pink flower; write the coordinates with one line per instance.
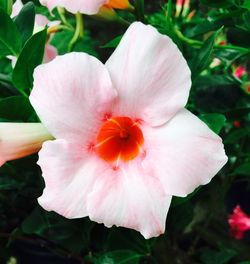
(89, 7)
(124, 142)
(239, 223)
(18, 140)
(239, 71)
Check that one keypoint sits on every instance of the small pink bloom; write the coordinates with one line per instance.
(124, 142)
(89, 7)
(236, 123)
(178, 7)
(239, 223)
(239, 72)
(50, 53)
(18, 140)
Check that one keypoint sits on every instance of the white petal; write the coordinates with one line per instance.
(183, 154)
(150, 74)
(71, 94)
(130, 198)
(69, 175)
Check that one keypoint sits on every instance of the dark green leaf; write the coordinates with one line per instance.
(6, 5)
(237, 113)
(10, 38)
(179, 217)
(236, 135)
(25, 21)
(139, 10)
(30, 57)
(113, 43)
(121, 238)
(215, 80)
(202, 59)
(214, 121)
(217, 3)
(9, 184)
(229, 55)
(16, 108)
(62, 46)
(180, 200)
(119, 257)
(218, 257)
(246, 4)
(243, 169)
(71, 234)
(201, 28)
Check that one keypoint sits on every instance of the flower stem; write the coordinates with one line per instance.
(198, 44)
(79, 31)
(61, 12)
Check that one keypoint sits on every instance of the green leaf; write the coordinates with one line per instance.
(179, 217)
(201, 28)
(243, 169)
(21, 109)
(62, 46)
(202, 59)
(236, 135)
(113, 43)
(246, 4)
(6, 5)
(139, 10)
(121, 238)
(180, 200)
(30, 57)
(71, 234)
(10, 38)
(229, 55)
(25, 21)
(9, 184)
(218, 257)
(214, 121)
(217, 3)
(119, 257)
(215, 80)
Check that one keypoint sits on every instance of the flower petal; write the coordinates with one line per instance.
(127, 197)
(16, 8)
(18, 140)
(89, 7)
(183, 154)
(50, 53)
(69, 175)
(70, 95)
(150, 74)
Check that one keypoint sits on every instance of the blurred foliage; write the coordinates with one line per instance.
(213, 35)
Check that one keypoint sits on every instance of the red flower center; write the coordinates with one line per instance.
(119, 138)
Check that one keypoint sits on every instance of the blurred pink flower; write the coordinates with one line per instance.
(124, 142)
(89, 7)
(239, 71)
(239, 223)
(178, 7)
